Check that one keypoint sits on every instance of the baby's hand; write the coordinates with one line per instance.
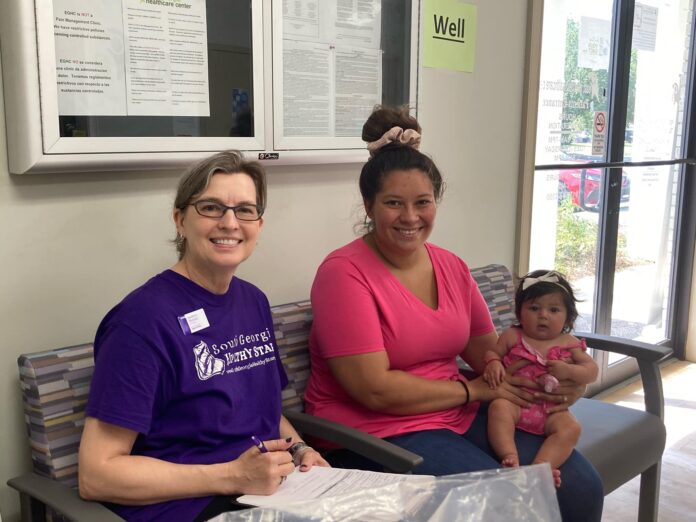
(494, 373)
(559, 369)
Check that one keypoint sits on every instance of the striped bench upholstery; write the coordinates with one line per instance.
(498, 289)
(54, 386)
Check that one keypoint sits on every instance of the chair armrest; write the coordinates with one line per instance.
(648, 357)
(389, 455)
(62, 498)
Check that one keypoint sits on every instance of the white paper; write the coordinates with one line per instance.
(358, 23)
(131, 57)
(301, 19)
(358, 88)
(166, 57)
(594, 43)
(89, 58)
(307, 89)
(355, 23)
(318, 483)
(644, 27)
(332, 66)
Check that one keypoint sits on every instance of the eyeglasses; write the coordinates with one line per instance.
(214, 209)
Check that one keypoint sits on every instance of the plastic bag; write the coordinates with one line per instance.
(520, 494)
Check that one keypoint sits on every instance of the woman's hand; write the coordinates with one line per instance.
(309, 457)
(511, 388)
(567, 394)
(259, 473)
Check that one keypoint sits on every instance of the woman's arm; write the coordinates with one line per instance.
(108, 472)
(368, 379)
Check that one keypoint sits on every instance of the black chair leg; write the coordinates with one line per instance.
(649, 494)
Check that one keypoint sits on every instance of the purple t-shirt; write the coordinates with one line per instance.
(193, 398)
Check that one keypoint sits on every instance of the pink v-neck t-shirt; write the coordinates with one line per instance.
(360, 307)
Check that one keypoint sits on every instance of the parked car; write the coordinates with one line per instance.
(570, 180)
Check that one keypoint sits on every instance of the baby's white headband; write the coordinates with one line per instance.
(409, 137)
(548, 277)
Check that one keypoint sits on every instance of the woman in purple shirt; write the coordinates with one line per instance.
(187, 369)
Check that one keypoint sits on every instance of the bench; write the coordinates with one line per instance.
(621, 443)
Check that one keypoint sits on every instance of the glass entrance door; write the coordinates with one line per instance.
(610, 125)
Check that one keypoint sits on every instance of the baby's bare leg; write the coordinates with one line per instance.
(562, 434)
(502, 417)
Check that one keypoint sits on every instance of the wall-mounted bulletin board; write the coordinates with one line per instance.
(137, 84)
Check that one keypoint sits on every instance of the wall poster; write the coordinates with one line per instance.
(131, 58)
(332, 66)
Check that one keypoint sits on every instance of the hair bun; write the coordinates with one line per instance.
(408, 137)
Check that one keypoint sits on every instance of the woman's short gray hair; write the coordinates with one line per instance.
(197, 178)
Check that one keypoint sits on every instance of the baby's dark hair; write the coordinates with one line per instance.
(543, 282)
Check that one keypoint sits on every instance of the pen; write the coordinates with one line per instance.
(259, 444)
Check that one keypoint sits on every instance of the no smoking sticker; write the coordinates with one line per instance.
(599, 133)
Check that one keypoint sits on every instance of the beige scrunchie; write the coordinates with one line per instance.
(408, 137)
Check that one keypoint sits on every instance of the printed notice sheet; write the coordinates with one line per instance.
(332, 66)
(132, 57)
(319, 483)
(89, 58)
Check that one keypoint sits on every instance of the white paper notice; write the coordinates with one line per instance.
(644, 27)
(306, 89)
(131, 57)
(359, 23)
(594, 43)
(166, 57)
(301, 19)
(89, 58)
(358, 88)
(332, 66)
(327, 482)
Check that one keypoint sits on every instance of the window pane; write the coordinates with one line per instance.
(654, 123)
(573, 78)
(564, 233)
(644, 254)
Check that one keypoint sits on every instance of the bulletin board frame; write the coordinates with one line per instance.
(35, 144)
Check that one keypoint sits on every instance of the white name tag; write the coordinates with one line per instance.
(194, 321)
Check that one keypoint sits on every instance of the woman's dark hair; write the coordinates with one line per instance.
(394, 156)
(551, 282)
(197, 178)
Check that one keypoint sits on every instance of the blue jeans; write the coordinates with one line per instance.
(444, 452)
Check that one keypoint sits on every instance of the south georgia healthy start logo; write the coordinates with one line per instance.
(217, 360)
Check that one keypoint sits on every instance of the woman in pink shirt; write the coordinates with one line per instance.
(392, 312)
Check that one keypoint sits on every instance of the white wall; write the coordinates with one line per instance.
(71, 245)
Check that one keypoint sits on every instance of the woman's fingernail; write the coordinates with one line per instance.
(304, 467)
(289, 439)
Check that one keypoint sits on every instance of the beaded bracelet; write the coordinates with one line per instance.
(296, 451)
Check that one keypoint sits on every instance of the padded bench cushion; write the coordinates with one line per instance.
(611, 433)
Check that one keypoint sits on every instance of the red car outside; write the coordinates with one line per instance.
(570, 181)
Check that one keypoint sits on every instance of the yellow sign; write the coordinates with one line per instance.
(449, 35)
